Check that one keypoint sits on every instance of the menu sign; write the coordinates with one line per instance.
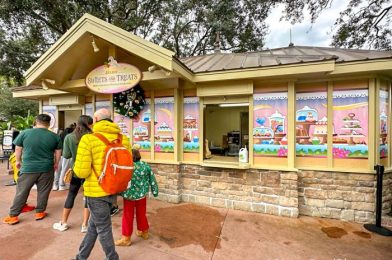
(113, 78)
(7, 140)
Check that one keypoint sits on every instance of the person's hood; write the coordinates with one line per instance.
(105, 126)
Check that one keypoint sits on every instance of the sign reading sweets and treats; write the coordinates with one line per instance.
(113, 77)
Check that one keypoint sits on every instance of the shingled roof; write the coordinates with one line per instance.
(279, 56)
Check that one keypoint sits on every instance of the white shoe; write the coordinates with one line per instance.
(60, 226)
(63, 188)
(55, 187)
(34, 187)
(83, 229)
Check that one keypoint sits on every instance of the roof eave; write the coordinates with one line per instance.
(90, 24)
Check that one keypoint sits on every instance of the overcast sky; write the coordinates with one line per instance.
(303, 34)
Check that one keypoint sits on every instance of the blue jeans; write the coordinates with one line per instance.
(99, 225)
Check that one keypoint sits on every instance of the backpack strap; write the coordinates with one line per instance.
(102, 138)
(120, 138)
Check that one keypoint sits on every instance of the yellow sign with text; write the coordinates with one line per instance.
(113, 78)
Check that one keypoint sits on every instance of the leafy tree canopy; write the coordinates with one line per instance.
(188, 27)
(13, 108)
(363, 23)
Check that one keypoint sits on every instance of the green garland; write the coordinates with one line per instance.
(130, 102)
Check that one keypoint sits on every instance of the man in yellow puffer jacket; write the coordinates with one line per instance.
(90, 153)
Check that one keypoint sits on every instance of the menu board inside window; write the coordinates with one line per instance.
(384, 101)
(103, 104)
(164, 126)
(124, 123)
(88, 108)
(142, 128)
(350, 123)
(311, 124)
(51, 111)
(191, 125)
(270, 124)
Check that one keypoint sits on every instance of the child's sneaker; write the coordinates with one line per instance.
(83, 229)
(60, 226)
(55, 187)
(40, 215)
(11, 220)
(143, 234)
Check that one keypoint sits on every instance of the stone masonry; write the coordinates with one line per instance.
(269, 192)
(345, 196)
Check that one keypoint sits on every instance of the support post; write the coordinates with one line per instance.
(377, 228)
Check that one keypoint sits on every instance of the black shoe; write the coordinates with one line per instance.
(114, 210)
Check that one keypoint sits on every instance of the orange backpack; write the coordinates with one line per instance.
(117, 166)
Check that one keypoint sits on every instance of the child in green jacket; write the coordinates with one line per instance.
(135, 200)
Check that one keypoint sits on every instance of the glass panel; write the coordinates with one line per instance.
(350, 113)
(164, 127)
(191, 125)
(270, 124)
(384, 101)
(142, 128)
(311, 124)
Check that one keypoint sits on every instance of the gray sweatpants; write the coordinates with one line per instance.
(44, 181)
(99, 226)
(64, 165)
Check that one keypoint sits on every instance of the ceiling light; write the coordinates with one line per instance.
(95, 47)
(234, 105)
(152, 68)
(50, 81)
(45, 83)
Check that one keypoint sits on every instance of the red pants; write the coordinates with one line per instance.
(129, 212)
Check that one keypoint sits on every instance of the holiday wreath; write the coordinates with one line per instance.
(130, 102)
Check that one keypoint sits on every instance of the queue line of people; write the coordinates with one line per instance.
(87, 151)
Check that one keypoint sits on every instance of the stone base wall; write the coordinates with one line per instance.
(168, 178)
(269, 192)
(387, 193)
(345, 196)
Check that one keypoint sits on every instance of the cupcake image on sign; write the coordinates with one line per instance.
(164, 132)
(190, 123)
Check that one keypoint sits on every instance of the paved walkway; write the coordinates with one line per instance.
(187, 231)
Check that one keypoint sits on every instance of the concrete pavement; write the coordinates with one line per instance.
(188, 231)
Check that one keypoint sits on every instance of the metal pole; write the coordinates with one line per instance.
(380, 172)
(377, 228)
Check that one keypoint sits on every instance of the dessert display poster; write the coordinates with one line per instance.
(384, 100)
(350, 120)
(164, 127)
(191, 124)
(311, 124)
(142, 128)
(270, 138)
